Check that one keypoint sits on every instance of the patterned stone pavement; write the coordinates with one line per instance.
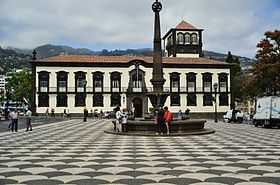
(73, 152)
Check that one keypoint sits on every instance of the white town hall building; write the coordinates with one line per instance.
(73, 82)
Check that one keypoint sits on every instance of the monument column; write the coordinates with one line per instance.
(157, 79)
(157, 97)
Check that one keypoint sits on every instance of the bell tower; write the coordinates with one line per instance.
(185, 40)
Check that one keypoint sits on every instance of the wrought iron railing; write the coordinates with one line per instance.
(123, 90)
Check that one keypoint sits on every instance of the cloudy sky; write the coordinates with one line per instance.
(234, 25)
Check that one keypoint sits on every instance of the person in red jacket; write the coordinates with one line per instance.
(168, 117)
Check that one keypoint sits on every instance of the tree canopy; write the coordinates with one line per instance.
(19, 86)
(235, 78)
(265, 76)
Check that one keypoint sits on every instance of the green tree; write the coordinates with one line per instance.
(265, 75)
(229, 58)
(235, 78)
(19, 86)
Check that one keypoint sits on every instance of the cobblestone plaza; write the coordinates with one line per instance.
(74, 152)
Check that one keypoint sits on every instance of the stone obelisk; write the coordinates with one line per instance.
(157, 97)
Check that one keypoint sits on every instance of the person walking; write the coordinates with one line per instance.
(9, 118)
(64, 115)
(28, 120)
(168, 117)
(85, 114)
(47, 113)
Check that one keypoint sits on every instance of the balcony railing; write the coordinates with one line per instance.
(123, 90)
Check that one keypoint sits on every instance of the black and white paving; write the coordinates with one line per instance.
(74, 152)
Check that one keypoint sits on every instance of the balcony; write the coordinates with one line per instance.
(70, 90)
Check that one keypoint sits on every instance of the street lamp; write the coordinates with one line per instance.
(85, 90)
(215, 99)
(85, 85)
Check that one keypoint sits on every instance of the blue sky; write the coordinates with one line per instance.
(229, 25)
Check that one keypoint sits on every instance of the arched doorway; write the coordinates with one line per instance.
(138, 107)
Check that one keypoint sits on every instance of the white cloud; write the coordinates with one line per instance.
(229, 25)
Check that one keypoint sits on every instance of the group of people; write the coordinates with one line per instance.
(163, 118)
(14, 116)
(52, 113)
(120, 124)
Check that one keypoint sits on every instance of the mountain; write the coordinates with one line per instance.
(245, 62)
(11, 58)
(49, 50)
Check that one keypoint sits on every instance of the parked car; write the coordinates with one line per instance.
(109, 115)
(238, 116)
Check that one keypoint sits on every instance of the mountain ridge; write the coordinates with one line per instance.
(19, 58)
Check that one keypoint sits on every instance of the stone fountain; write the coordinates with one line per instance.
(158, 97)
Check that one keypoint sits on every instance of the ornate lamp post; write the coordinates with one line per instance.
(215, 90)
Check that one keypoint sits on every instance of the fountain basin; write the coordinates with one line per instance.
(177, 128)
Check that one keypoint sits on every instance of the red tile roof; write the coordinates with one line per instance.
(183, 25)
(126, 59)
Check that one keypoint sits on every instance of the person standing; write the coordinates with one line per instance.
(14, 118)
(6, 113)
(124, 120)
(85, 114)
(187, 114)
(168, 117)
(160, 121)
(180, 115)
(118, 119)
(52, 112)
(28, 120)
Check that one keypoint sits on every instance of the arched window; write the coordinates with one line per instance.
(98, 100)
(80, 87)
(191, 82)
(180, 38)
(97, 81)
(194, 39)
(137, 80)
(175, 89)
(207, 82)
(187, 38)
(207, 89)
(43, 98)
(191, 89)
(223, 89)
(223, 82)
(174, 82)
(116, 82)
(43, 81)
(62, 78)
(80, 81)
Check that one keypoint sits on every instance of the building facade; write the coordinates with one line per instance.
(74, 82)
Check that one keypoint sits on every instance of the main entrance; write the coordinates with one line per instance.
(138, 107)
